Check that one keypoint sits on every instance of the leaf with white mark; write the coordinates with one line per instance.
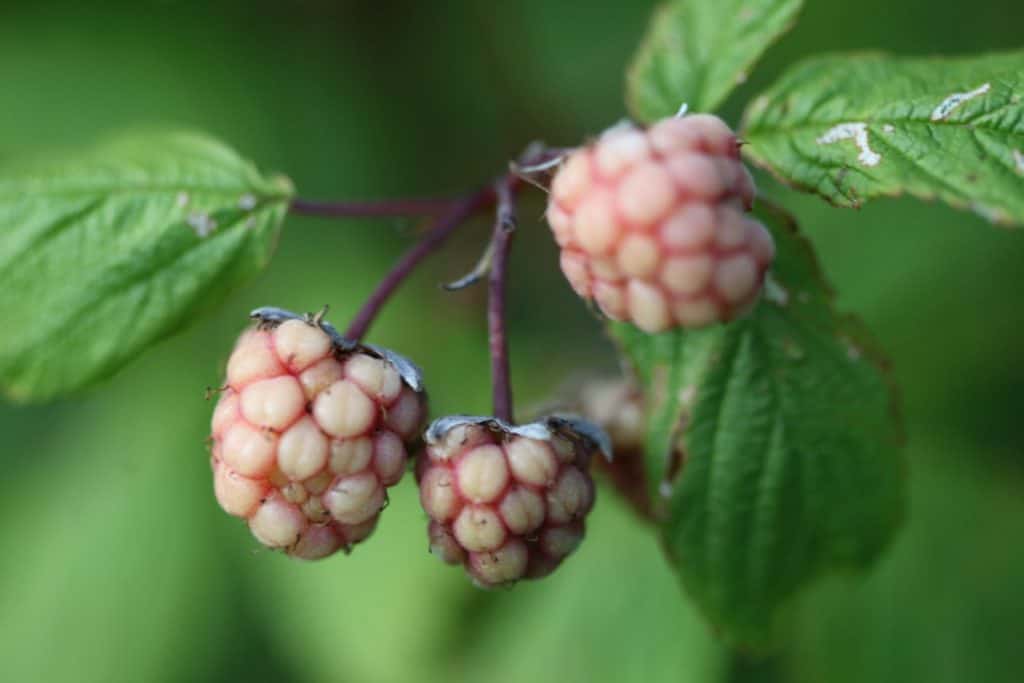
(851, 128)
(107, 252)
(697, 52)
(771, 447)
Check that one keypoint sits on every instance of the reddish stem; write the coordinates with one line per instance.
(504, 227)
(449, 215)
(386, 207)
(445, 224)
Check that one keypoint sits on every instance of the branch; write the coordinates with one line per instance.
(449, 214)
(504, 226)
(386, 207)
(456, 214)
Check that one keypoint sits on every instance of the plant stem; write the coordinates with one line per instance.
(456, 214)
(448, 214)
(415, 206)
(385, 207)
(504, 227)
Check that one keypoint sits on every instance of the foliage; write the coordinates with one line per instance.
(854, 127)
(771, 447)
(772, 439)
(109, 251)
(794, 387)
(697, 52)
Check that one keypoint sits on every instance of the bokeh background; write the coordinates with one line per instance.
(117, 565)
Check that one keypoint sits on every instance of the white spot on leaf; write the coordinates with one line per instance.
(853, 352)
(775, 292)
(947, 105)
(989, 213)
(201, 223)
(759, 104)
(858, 132)
(181, 200)
(1018, 160)
(888, 128)
(247, 202)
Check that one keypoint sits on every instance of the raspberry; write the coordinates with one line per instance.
(652, 224)
(309, 432)
(616, 405)
(507, 502)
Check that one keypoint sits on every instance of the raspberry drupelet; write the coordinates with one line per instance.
(653, 224)
(309, 432)
(506, 502)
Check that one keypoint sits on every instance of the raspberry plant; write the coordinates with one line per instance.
(760, 437)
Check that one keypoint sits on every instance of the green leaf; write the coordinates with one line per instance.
(104, 253)
(697, 51)
(771, 447)
(854, 127)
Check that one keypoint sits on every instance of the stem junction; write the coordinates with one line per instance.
(447, 215)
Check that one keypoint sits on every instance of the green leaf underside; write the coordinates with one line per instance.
(107, 252)
(946, 128)
(697, 52)
(788, 432)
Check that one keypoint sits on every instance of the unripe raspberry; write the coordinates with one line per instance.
(507, 502)
(309, 432)
(653, 225)
(615, 405)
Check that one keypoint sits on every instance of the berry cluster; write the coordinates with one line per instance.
(309, 432)
(653, 227)
(313, 427)
(505, 502)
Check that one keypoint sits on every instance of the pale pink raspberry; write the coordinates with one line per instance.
(616, 405)
(653, 224)
(309, 432)
(506, 502)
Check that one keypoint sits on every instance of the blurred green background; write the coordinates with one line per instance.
(116, 563)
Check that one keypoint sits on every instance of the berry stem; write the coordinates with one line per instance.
(443, 226)
(448, 214)
(385, 207)
(504, 227)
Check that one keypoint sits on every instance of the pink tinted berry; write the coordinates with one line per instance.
(506, 503)
(654, 227)
(308, 434)
(615, 405)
